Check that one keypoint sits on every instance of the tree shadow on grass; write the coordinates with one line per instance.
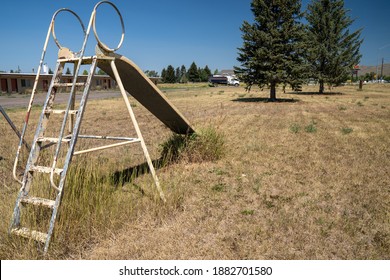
(265, 100)
(315, 93)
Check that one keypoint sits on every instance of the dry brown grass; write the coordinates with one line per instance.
(307, 179)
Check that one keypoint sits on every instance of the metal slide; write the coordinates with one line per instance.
(138, 85)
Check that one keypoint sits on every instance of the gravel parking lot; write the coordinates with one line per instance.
(21, 100)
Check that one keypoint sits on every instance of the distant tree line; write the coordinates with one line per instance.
(182, 75)
(371, 76)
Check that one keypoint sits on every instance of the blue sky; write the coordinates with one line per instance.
(159, 33)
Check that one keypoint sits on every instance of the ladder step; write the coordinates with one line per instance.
(52, 139)
(45, 169)
(28, 233)
(84, 60)
(68, 84)
(38, 201)
(49, 111)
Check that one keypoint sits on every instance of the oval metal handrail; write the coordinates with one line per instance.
(100, 43)
(53, 24)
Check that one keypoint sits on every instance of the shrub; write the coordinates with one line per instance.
(206, 145)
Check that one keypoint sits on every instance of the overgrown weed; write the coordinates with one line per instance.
(206, 145)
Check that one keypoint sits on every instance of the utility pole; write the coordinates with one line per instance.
(377, 65)
(382, 68)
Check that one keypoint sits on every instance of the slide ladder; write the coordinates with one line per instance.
(56, 164)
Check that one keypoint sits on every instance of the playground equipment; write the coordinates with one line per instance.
(128, 77)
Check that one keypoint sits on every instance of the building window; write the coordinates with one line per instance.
(25, 83)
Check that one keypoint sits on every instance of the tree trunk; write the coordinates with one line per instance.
(321, 87)
(273, 92)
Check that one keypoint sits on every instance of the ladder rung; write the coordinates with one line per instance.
(67, 84)
(28, 233)
(39, 201)
(84, 60)
(45, 169)
(56, 111)
(52, 139)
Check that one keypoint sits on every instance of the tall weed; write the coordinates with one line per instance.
(206, 145)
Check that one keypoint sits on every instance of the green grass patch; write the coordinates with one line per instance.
(311, 128)
(219, 187)
(346, 130)
(247, 212)
(294, 128)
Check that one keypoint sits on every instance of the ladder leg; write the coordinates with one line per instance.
(137, 129)
(70, 152)
(52, 221)
(35, 148)
(15, 222)
(72, 103)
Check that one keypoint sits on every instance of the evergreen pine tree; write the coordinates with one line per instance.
(193, 74)
(273, 45)
(183, 70)
(183, 74)
(170, 75)
(163, 75)
(100, 72)
(200, 71)
(177, 75)
(332, 49)
(206, 73)
(151, 73)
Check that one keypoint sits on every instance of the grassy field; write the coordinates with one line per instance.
(304, 178)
